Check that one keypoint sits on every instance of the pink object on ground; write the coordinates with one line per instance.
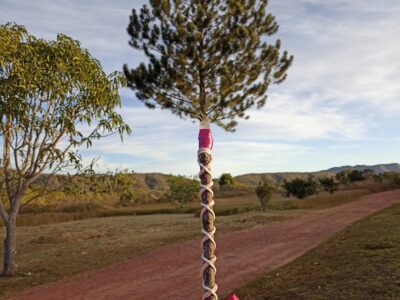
(205, 138)
(233, 297)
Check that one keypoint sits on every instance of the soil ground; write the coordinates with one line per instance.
(172, 272)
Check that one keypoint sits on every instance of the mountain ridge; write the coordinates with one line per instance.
(159, 181)
(275, 177)
(378, 169)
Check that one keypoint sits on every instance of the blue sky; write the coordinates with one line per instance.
(340, 104)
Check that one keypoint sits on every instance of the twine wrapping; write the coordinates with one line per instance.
(207, 215)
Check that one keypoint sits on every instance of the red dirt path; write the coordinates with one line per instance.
(172, 272)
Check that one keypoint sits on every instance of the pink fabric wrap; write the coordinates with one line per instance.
(233, 297)
(205, 138)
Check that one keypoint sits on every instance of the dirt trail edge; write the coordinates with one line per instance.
(173, 272)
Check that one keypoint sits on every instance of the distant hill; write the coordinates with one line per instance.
(274, 178)
(158, 181)
(377, 168)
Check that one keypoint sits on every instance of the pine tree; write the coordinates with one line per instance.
(208, 60)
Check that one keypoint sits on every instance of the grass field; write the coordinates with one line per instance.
(361, 262)
(53, 251)
(223, 207)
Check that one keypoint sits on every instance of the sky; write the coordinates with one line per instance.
(339, 106)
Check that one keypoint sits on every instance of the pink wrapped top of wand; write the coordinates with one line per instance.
(205, 137)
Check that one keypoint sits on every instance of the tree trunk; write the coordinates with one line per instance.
(207, 216)
(10, 249)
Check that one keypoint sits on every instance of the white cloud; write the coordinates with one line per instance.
(292, 118)
(342, 86)
(344, 50)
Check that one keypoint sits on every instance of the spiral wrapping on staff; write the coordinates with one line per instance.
(208, 236)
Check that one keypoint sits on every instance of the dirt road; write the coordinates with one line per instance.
(173, 272)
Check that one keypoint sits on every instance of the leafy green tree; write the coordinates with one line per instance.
(301, 188)
(210, 61)
(226, 179)
(182, 190)
(328, 184)
(54, 97)
(356, 175)
(264, 192)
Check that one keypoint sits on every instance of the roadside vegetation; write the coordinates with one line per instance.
(127, 189)
(348, 179)
(123, 192)
(360, 262)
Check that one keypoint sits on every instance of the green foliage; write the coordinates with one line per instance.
(391, 176)
(386, 180)
(54, 97)
(207, 59)
(124, 186)
(328, 184)
(182, 190)
(350, 175)
(264, 193)
(119, 186)
(356, 175)
(226, 179)
(301, 188)
(342, 177)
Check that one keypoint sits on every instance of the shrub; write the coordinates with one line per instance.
(226, 179)
(342, 176)
(264, 193)
(356, 175)
(301, 188)
(328, 184)
(349, 175)
(124, 188)
(182, 190)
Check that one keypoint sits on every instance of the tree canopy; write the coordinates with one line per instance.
(49, 90)
(207, 59)
(182, 190)
(226, 179)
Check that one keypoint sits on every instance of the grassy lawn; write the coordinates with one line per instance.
(50, 252)
(361, 262)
